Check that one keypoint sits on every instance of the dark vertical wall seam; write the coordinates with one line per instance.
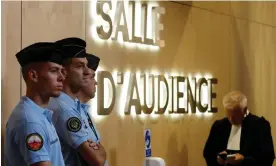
(21, 27)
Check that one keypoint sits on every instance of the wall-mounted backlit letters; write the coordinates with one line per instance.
(137, 21)
(156, 94)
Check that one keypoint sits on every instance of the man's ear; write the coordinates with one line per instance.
(33, 76)
(64, 72)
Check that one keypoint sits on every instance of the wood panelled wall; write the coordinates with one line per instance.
(233, 41)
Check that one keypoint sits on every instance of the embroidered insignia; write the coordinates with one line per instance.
(34, 142)
(74, 124)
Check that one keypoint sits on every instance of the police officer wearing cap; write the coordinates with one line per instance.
(31, 138)
(68, 118)
(87, 93)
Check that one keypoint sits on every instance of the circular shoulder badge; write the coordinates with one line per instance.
(74, 124)
(34, 142)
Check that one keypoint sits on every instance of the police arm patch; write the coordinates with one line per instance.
(34, 142)
(74, 124)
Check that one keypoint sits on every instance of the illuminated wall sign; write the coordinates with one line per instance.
(137, 21)
(156, 94)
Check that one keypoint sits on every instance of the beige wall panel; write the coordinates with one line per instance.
(3, 37)
(10, 70)
(240, 53)
(188, 51)
(218, 7)
(50, 21)
(253, 67)
(263, 12)
(247, 51)
(10, 78)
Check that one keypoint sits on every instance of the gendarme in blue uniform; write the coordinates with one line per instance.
(71, 121)
(93, 133)
(31, 137)
(71, 125)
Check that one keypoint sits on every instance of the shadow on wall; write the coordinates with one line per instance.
(112, 159)
(174, 156)
(187, 3)
(241, 63)
(185, 13)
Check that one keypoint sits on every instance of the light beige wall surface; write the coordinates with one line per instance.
(232, 41)
(10, 71)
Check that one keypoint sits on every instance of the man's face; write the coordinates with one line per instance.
(50, 79)
(235, 115)
(90, 87)
(77, 72)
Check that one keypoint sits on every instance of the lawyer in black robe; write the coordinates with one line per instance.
(256, 144)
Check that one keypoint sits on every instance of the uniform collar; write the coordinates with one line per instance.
(74, 103)
(67, 99)
(36, 108)
(85, 107)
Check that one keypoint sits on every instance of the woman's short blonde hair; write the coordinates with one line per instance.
(235, 99)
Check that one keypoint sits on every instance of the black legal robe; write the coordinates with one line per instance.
(256, 143)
